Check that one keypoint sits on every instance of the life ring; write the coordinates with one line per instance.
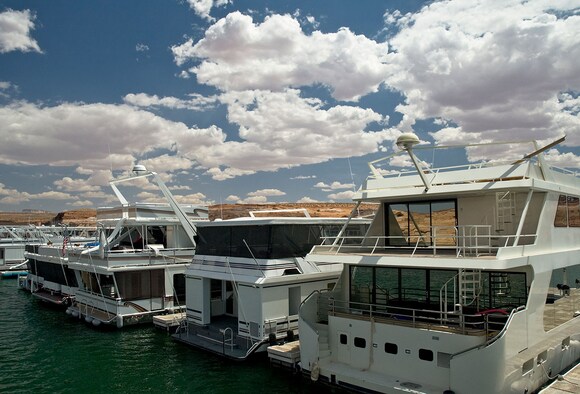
(315, 372)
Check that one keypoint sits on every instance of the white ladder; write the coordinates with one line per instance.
(505, 207)
(469, 287)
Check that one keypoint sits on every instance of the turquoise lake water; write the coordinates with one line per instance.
(43, 350)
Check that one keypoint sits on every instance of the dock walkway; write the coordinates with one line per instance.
(568, 383)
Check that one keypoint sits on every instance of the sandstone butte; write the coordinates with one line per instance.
(87, 217)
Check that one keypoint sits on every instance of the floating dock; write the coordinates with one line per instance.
(565, 384)
(286, 355)
(12, 274)
(170, 321)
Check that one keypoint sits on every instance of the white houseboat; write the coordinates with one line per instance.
(134, 269)
(466, 282)
(248, 278)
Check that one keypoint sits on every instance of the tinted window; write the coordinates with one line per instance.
(425, 354)
(360, 342)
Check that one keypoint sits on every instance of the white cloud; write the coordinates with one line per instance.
(304, 177)
(346, 195)
(203, 7)
(282, 130)
(13, 196)
(196, 103)
(15, 29)
(141, 48)
(267, 193)
(233, 198)
(255, 200)
(277, 130)
(305, 200)
(238, 54)
(98, 136)
(497, 68)
(334, 185)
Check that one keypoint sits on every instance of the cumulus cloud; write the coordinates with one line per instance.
(267, 193)
(282, 130)
(142, 48)
(197, 102)
(334, 186)
(15, 30)
(74, 133)
(346, 195)
(493, 68)
(203, 7)
(299, 177)
(238, 54)
(13, 196)
(305, 200)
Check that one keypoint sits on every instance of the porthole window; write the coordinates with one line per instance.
(391, 348)
(426, 355)
(360, 342)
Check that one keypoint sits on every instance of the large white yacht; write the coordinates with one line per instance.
(134, 269)
(466, 282)
(249, 276)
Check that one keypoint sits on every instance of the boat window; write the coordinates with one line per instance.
(567, 212)
(264, 241)
(573, 211)
(135, 285)
(412, 224)
(413, 287)
(361, 284)
(561, 219)
(216, 289)
(563, 297)
(426, 355)
(379, 287)
(360, 342)
(502, 290)
(343, 339)
(391, 348)
(179, 288)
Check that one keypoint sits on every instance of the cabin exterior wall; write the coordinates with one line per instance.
(197, 296)
(413, 346)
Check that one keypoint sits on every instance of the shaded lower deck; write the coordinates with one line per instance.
(220, 337)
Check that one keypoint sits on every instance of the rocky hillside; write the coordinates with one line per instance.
(87, 217)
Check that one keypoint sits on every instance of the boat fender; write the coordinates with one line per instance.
(96, 322)
(88, 319)
(68, 311)
(315, 372)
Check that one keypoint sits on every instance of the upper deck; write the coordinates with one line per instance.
(485, 210)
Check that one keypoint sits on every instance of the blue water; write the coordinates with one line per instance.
(43, 350)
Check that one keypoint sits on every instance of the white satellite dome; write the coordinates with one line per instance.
(407, 141)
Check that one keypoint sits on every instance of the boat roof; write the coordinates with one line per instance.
(264, 221)
(530, 172)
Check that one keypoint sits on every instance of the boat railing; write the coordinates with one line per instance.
(461, 241)
(493, 338)
(435, 171)
(481, 323)
(280, 326)
(154, 256)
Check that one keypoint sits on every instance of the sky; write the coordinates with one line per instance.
(235, 101)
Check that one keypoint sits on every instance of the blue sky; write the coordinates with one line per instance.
(269, 101)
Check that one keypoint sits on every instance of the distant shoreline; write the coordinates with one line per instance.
(87, 217)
